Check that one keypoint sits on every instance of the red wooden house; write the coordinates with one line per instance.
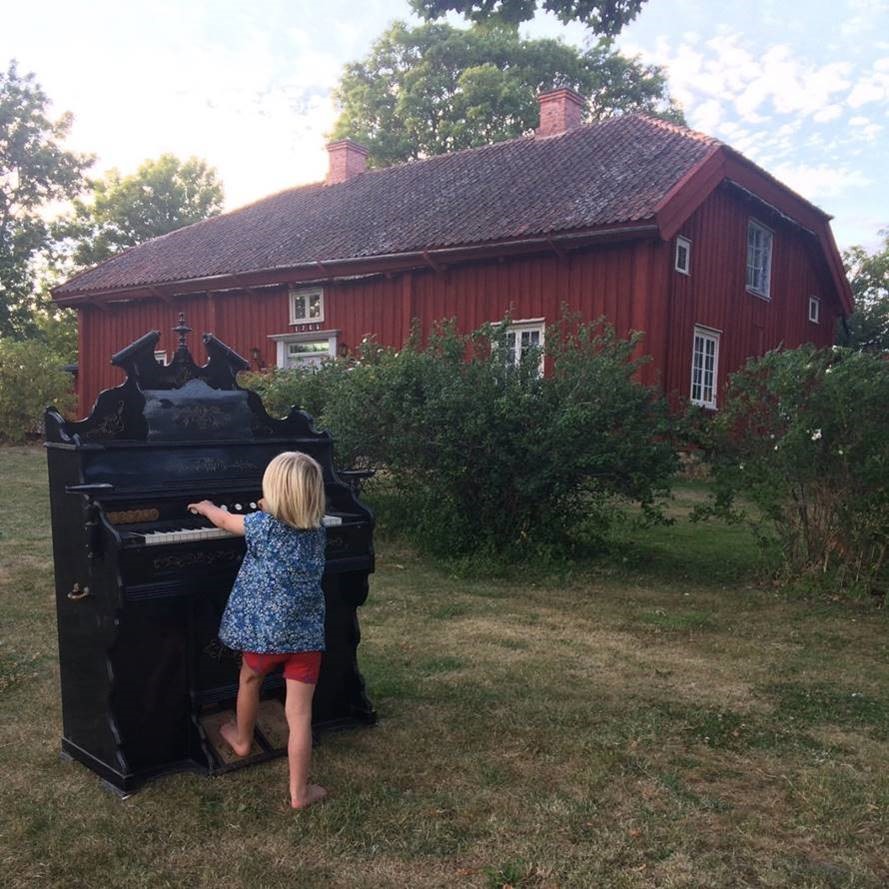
(659, 228)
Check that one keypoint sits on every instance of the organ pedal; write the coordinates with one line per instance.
(270, 736)
(220, 748)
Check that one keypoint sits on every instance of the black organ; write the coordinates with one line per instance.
(141, 583)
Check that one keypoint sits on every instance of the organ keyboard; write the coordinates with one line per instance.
(141, 583)
(140, 536)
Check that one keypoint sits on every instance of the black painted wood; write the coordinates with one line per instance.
(139, 655)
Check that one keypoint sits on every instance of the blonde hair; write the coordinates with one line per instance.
(293, 488)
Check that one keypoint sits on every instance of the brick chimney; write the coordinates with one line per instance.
(346, 159)
(560, 110)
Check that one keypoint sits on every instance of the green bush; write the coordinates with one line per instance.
(309, 387)
(31, 378)
(803, 440)
(484, 456)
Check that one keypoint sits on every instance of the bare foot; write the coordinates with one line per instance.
(229, 732)
(314, 793)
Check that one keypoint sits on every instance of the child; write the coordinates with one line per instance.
(275, 613)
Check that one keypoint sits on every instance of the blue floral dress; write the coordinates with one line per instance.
(276, 605)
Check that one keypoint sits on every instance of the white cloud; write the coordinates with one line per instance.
(862, 15)
(863, 129)
(871, 87)
(708, 116)
(757, 84)
(827, 113)
(865, 92)
(820, 181)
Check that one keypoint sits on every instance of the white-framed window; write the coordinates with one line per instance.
(682, 261)
(704, 366)
(814, 310)
(759, 258)
(161, 358)
(306, 305)
(305, 349)
(521, 337)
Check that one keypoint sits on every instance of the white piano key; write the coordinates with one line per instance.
(184, 535)
(331, 521)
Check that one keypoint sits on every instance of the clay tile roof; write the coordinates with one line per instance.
(613, 172)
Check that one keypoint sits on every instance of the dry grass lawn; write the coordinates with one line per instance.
(657, 719)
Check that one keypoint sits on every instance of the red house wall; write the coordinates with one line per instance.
(616, 281)
(715, 294)
(633, 284)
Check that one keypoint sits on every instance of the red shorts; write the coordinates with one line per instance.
(303, 666)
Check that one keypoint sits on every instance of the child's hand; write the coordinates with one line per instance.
(234, 524)
(201, 508)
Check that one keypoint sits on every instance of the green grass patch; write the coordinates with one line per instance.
(654, 715)
(508, 875)
(680, 621)
(436, 665)
(16, 669)
(450, 610)
(825, 703)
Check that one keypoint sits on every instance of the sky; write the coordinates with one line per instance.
(801, 87)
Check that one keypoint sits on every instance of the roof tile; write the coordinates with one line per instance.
(612, 172)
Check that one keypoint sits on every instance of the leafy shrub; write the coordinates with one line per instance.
(485, 456)
(803, 439)
(309, 388)
(31, 378)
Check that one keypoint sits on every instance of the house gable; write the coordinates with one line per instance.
(724, 164)
(715, 296)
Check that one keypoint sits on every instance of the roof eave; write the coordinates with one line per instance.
(332, 269)
(689, 192)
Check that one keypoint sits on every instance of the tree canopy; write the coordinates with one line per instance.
(601, 16)
(35, 170)
(868, 327)
(435, 88)
(161, 196)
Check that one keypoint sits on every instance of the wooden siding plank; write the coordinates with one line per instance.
(632, 283)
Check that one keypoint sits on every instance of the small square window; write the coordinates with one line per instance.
(306, 305)
(161, 358)
(814, 310)
(683, 256)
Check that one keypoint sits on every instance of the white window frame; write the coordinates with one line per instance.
(304, 294)
(284, 340)
(686, 243)
(768, 249)
(815, 303)
(706, 334)
(161, 358)
(526, 325)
